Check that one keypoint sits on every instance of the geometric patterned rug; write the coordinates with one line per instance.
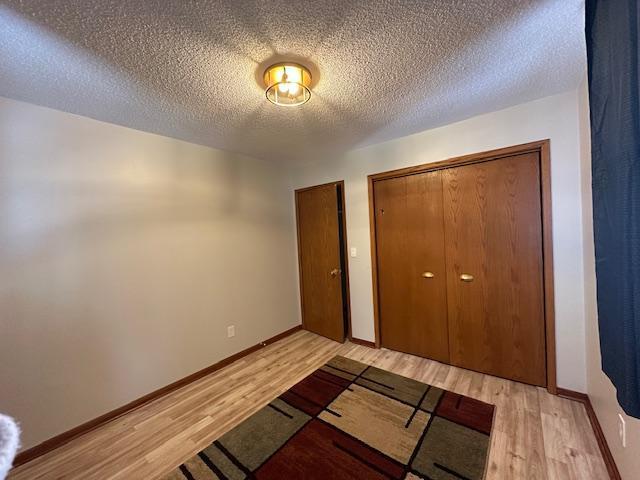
(349, 420)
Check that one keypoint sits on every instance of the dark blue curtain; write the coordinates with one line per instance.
(612, 51)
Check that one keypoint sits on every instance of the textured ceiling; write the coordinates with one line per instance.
(382, 68)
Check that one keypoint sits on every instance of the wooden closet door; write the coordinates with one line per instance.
(411, 269)
(319, 259)
(493, 233)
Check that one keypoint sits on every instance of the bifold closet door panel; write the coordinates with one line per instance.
(493, 232)
(319, 258)
(411, 269)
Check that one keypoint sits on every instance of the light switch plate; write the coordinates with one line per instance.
(354, 252)
(231, 331)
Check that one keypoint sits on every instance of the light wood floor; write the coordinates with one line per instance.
(535, 435)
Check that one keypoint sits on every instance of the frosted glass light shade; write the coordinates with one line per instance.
(287, 84)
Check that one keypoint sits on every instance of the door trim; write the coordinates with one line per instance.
(347, 333)
(542, 147)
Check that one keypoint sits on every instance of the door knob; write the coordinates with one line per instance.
(428, 275)
(335, 272)
(465, 277)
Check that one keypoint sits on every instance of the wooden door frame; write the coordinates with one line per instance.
(297, 192)
(542, 147)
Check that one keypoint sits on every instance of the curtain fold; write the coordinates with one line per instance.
(612, 52)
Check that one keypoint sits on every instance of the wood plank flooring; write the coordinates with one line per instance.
(536, 435)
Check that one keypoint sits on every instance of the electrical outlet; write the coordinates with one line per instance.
(622, 430)
(354, 252)
(231, 331)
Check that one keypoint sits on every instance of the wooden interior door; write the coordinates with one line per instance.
(321, 272)
(411, 265)
(493, 234)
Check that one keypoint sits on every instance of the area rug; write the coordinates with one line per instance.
(348, 420)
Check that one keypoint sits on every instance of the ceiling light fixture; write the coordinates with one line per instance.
(287, 84)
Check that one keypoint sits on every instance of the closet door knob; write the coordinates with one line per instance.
(428, 275)
(465, 277)
(335, 272)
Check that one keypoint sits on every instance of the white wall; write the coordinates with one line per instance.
(122, 252)
(600, 389)
(123, 258)
(553, 117)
